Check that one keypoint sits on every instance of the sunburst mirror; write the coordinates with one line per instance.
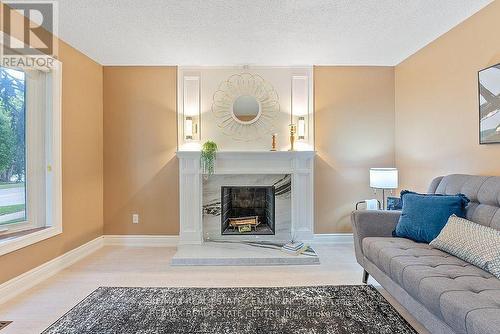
(245, 106)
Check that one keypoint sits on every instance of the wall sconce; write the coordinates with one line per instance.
(301, 128)
(191, 107)
(188, 128)
(300, 104)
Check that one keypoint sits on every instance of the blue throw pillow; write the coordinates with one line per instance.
(424, 216)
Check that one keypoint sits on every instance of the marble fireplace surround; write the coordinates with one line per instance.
(298, 164)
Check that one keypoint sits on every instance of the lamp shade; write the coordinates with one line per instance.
(188, 127)
(384, 178)
(301, 128)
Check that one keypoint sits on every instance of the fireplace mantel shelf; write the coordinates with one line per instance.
(251, 154)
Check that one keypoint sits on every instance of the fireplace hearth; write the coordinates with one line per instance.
(248, 210)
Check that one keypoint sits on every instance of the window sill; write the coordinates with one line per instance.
(15, 241)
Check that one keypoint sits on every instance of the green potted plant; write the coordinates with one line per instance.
(208, 156)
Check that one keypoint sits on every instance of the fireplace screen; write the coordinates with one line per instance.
(247, 210)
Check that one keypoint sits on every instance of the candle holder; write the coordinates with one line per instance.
(273, 147)
(293, 131)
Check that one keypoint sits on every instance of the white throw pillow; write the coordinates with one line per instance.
(471, 242)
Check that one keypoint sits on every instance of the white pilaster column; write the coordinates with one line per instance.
(303, 197)
(190, 198)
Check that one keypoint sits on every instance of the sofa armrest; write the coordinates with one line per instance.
(372, 223)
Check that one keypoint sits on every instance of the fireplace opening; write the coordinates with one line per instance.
(247, 210)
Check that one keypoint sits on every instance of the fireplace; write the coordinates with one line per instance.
(248, 210)
(290, 172)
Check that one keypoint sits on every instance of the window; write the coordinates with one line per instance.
(12, 146)
(30, 148)
(24, 107)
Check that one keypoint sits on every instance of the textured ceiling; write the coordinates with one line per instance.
(257, 32)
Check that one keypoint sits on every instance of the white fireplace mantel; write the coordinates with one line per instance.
(299, 164)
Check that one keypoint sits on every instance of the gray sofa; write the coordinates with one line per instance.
(444, 293)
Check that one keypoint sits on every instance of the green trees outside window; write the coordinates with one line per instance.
(12, 145)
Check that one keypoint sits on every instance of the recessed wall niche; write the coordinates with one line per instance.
(197, 121)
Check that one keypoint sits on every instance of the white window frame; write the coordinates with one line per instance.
(46, 213)
(36, 128)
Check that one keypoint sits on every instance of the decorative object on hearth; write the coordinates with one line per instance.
(245, 106)
(293, 131)
(319, 309)
(273, 145)
(489, 104)
(384, 178)
(295, 248)
(208, 156)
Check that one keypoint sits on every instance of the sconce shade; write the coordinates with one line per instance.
(384, 178)
(301, 128)
(188, 128)
(300, 104)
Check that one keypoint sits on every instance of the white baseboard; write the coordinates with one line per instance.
(333, 238)
(31, 278)
(141, 240)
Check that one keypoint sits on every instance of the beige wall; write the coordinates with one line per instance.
(437, 103)
(354, 131)
(82, 164)
(140, 140)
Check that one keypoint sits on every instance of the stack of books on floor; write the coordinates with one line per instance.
(294, 248)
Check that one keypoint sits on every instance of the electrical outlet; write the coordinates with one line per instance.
(135, 218)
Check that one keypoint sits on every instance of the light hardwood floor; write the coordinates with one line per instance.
(35, 309)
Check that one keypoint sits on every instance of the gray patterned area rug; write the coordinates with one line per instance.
(311, 310)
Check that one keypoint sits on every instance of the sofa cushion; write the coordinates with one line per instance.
(471, 242)
(424, 216)
(465, 297)
(483, 192)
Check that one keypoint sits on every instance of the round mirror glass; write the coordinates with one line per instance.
(246, 109)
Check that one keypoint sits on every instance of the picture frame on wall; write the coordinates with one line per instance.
(489, 105)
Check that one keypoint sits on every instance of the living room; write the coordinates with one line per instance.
(250, 166)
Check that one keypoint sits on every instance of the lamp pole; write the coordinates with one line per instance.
(383, 199)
